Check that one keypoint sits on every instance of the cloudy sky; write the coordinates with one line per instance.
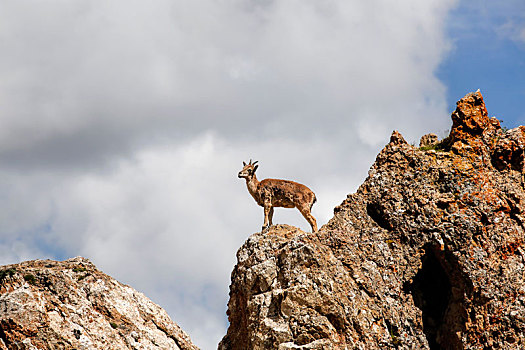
(123, 124)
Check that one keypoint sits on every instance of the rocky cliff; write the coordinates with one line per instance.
(71, 305)
(428, 253)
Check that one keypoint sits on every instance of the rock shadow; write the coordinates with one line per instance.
(438, 289)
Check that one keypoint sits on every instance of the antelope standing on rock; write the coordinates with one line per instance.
(271, 193)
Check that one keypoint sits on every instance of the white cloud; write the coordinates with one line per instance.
(124, 124)
(117, 71)
(521, 35)
(513, 30)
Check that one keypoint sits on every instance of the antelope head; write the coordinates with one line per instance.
(248, 170)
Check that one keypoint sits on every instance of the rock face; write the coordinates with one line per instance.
(429, 253)
(71, 305)
(428, 140)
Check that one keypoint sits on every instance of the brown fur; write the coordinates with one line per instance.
(271, 193)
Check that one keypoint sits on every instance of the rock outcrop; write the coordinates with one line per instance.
(46, 304)
(428, 253)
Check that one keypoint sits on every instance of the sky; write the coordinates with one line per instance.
(123, 124)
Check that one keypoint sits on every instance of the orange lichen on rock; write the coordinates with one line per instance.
(428, 253)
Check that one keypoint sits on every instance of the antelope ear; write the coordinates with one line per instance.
(255, 168)
(244, 163)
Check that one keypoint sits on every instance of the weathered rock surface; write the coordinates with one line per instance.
(429, 253)
(428, 140)
(71, 305)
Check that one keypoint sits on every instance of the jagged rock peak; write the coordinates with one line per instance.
(49, 304)
(427, 254)
(471, 115)
(396, 138)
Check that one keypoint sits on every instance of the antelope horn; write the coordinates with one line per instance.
(250, 161)
(255, 162)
